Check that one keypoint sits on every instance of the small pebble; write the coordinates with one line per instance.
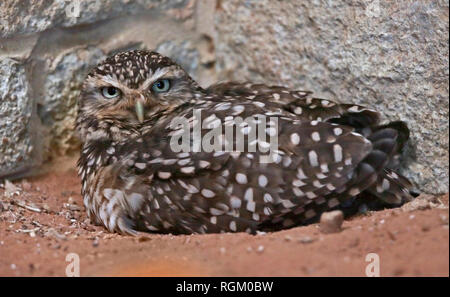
(260, 249)
(306, 239)
(331, 222)
(422, 202)
(419, 204)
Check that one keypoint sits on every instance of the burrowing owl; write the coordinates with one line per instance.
(328, 154)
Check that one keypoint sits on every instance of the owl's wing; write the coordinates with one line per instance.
(317, 166)
(248, 89)
(301, 103)
(305, 107)
(185, 192)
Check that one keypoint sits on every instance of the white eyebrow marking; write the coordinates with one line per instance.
(154, 76)
(109, 80)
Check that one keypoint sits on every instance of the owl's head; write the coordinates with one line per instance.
(127, 91)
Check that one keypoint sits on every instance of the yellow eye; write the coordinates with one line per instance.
(161, 86)
(110, 92)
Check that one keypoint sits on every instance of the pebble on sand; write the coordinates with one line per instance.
(331, 222)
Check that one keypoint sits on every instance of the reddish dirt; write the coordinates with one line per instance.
(408, 242)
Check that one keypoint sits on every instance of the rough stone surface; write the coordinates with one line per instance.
(61, 88)
(46, 50)
(424, 201)
(16, 145)
(183, 53)
(390, 55)
(23, 17)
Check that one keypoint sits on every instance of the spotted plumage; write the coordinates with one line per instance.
(329, 155)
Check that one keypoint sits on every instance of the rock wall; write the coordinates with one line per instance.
(391, 55)
(47, 48)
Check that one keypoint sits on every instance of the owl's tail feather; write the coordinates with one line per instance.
(367, 185)
(401, 139)
(374, 174)
(390, 187)
(384, 145)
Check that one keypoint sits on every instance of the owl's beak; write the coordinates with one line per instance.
(140, 111)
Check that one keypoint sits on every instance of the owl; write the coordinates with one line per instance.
(135, 178)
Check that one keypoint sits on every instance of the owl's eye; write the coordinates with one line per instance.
(161, 86)
(110, 92)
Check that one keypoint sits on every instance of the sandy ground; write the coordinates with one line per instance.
(42, 220)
